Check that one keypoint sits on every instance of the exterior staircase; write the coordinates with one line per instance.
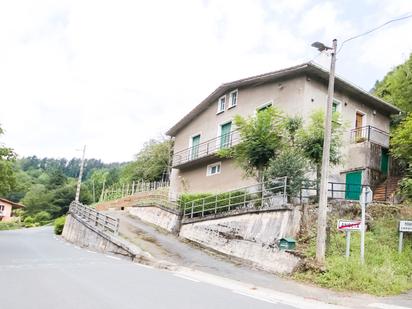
(384, 191)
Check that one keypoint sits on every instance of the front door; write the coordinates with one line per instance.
(358, 126)
(225, 135)
(384, 161)
(353, 187)
(195, 147)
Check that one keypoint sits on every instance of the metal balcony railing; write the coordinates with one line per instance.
(206, 148)
(370, 133)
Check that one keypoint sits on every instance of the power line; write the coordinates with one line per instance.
(374, 29)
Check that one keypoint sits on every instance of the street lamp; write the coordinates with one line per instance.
(323, 194)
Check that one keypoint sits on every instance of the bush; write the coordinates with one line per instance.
(59, 225)
(42, 217)
(9, 225)
(406, 188)
(385, 272)
(209, 203)
(28, 222)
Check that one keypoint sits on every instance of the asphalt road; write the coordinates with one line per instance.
(39, 270)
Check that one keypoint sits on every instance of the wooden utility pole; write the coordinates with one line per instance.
(323, 195)
(79, 181)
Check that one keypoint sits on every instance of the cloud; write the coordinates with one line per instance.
(113, 74)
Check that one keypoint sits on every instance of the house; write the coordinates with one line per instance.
(297, 90)
(6, 209)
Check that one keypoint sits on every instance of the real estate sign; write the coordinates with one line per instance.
(405, 226)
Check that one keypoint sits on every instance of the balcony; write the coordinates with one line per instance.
(205, 150)
(370, 134)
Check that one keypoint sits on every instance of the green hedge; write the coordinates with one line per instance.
(210, 200)
(59, 225)
(9, 225)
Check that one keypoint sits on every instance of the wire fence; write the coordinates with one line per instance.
(124, 190)
(95, 218)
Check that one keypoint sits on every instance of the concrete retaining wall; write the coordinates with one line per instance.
(160, 216)
(80, 233)
(252, 236)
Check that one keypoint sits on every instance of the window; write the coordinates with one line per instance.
(213, 169)
(233, 98)
(264, 106)
(336, 106)
(221, 104)
(1, 207)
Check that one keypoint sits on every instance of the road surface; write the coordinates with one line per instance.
(39, 270)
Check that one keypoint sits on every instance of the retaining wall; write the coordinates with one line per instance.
(163, 217)
(250, 236)
(82, 234)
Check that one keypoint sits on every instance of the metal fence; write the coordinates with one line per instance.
(264, 195)
(95, 218)
(370, 133)
(206, 148)
(124, 190)
(336, 191)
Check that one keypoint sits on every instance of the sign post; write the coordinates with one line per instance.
(348, 226)
(404, 226)
(365, 198)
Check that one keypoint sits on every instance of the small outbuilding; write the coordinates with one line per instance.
(6, 209)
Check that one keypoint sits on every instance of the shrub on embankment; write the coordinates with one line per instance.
(59, 225)
(385, 272)
(208, 201)
(10, 225)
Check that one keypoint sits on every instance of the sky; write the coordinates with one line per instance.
(114, 74)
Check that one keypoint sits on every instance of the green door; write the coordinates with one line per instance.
(353, 186)
(225, 135)
(195, 147)
(384, 161)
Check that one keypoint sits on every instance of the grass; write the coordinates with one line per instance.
(385, 272)
(10, 226)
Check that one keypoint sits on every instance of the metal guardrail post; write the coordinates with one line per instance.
(191, 216)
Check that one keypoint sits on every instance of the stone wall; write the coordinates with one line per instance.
(251, 236)
(167, 219)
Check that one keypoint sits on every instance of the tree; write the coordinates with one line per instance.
(311, 140)
(290, 162)
(7, 169)
(396, 87)
(261, 140)
(401, 142)
(151, 164)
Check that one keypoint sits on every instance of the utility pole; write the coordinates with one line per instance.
(79, 181)
(323, 195)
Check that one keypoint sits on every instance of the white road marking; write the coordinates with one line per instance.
(387, 306)
(113, 257)
(185, 277)
(90, 251)
(145, 266)
(256, 297)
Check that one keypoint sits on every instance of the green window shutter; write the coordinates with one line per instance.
(195, 147)
(225, 135)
